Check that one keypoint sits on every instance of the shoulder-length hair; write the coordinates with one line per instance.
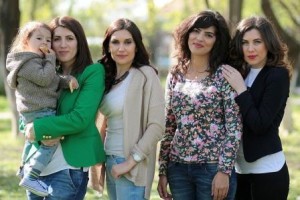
(141, 57)
(204, 19)
(277, 50)
(83, 56)
(24, 34)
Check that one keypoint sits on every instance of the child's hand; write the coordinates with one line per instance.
(73, 84)
(44, 49)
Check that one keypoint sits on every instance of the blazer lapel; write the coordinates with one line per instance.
(259, 79)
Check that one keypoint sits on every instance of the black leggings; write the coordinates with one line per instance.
(268, 186)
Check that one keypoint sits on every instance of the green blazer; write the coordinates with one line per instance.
(75, 121)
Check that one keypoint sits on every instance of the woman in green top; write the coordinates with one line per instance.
(66, 175)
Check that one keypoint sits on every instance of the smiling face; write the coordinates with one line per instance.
(65, 46)
(122, 48)
(40, 37)
(201, 41)
(254, 49)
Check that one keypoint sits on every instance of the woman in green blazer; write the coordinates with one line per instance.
(66, 175)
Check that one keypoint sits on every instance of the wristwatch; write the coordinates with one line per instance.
(136, 157)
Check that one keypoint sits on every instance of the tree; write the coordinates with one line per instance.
(10, 19)
(235, 12)
(291, 40)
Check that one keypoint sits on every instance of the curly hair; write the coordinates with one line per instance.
(204, 19)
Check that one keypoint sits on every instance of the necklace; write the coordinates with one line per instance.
(193, 74)
(199, 72)
(116, 81)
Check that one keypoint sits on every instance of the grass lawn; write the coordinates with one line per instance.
(11, 148)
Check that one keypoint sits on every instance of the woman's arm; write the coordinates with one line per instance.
(234, 128)
(78, 109)
(154, 127)
(260, 116)
(170, 123)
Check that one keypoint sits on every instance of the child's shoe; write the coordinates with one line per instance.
(35, 186)
(20, 172)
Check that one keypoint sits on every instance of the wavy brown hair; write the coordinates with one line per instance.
(277, 50)
(204, 19)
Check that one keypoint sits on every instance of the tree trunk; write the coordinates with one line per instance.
(291, 42)
(235, 12)
(9, 23)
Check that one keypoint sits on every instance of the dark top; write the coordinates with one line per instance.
(262, 107)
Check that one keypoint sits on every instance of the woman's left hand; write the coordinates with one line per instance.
(29, 132)
(220, 186)
(234, 78)
(118, 170)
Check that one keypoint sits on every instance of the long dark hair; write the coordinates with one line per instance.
(204, 19)
(141, 57)
(83, 56)
(277, 50)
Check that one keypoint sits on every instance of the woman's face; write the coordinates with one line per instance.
(254, 49)
(202, 40)
(65, 46)
(122, 48)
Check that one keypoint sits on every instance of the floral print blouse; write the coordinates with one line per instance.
(203, 122)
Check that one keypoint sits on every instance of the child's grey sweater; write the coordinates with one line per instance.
(35, 80)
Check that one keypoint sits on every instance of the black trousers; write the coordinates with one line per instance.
(268, 186)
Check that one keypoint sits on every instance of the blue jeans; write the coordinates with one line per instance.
(194, 181)
(41, 158)
(68, 184)
(121, 188)
(44, 154)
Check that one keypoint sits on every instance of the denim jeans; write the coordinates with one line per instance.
(42, 157)
(30, 116)
(121, 188)
(194, 181)
(26, 118)
(68, 184)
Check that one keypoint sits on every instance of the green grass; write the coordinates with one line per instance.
(11, 147)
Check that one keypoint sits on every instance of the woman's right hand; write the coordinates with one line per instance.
(234, 78)
(51, 142)
(162, 188)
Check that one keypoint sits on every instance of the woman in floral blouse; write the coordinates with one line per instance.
(203, 124)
